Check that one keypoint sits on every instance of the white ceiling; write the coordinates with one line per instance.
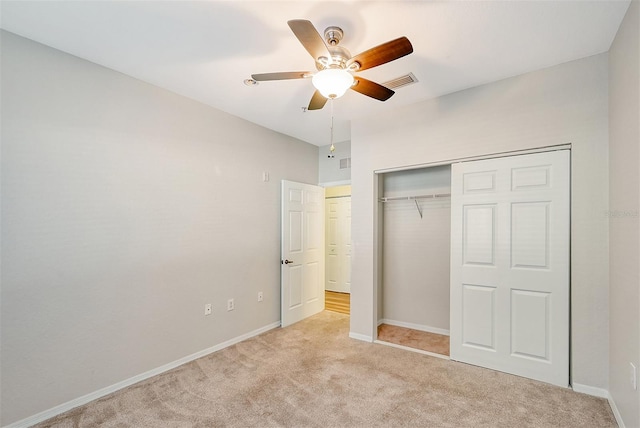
(205, 49)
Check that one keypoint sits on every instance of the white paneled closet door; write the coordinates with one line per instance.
(510, 224)
(338, 239)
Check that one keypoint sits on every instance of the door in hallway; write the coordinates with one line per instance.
(338, 244)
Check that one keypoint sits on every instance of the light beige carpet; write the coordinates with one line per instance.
(312, 375)
(436, 343)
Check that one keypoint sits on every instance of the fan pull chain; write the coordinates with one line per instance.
(332, 148)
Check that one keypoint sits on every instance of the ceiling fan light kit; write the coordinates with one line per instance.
(332, 82)
(336, 66)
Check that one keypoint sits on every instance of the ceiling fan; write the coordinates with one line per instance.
(336, 66)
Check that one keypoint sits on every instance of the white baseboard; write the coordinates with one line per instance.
(590, 390)
(412, 326)
(359, 336)
(407, 348)
(615, 411)
(602, 393)
(47, 414)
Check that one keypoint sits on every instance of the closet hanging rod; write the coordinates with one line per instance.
(408, 198)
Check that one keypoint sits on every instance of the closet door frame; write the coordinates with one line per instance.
(378, 218)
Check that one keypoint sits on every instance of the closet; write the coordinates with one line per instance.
(416, 223)
(477, 252)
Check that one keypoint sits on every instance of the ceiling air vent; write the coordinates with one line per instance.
(401, 81)
(345, 163)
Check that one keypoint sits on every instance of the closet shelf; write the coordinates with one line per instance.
(415, 199)
(409, 198)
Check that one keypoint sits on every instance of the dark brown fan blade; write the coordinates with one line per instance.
(310, 38)
(281, 76)
(317, 101)
(382, 54)
(371, 89)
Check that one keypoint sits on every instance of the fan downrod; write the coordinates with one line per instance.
(333, 35)
(339, 54)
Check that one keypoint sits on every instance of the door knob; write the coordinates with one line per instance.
(286, 262)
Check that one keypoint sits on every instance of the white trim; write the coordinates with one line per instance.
(335, 183)
(406, 348)
(602, 393)
(565, 146)
(615, 411)
(54, 411)
(359, 336)
(412, 326)
(590, 390)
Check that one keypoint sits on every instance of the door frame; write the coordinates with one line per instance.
(304, 254)
(378, 222)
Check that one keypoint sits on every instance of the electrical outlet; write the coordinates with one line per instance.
(207, 309)
(230, 305)
(260, 296)
(633, 376)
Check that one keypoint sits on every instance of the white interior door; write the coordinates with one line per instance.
(338, 240)
(510, 224)
(345, 243)
(302, 251)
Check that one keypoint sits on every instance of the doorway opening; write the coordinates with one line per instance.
(338, 249)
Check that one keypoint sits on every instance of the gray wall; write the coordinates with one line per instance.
(562, 104)
(415, 255)
(329, 171)
(624, 212)
(126, 208)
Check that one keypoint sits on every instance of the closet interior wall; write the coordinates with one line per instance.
(416, 246)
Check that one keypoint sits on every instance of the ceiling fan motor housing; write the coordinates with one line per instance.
(339, 54)
(339, 58)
